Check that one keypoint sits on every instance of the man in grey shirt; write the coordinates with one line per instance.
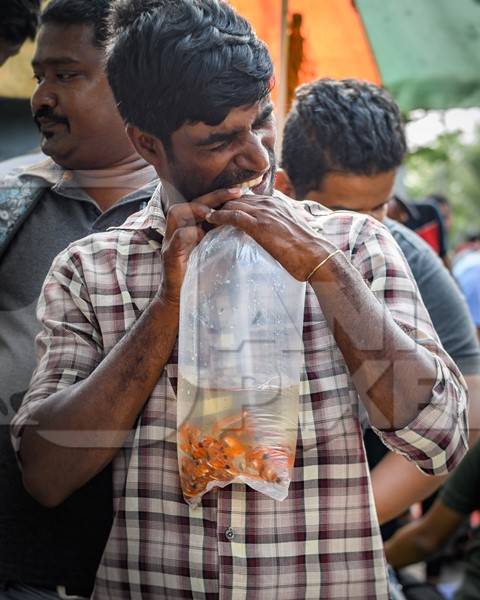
(343, 143)
(95, 180)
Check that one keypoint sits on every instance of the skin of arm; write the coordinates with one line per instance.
(103, 408)
(339, 287)
(398, 483)
(373, 370)
(418, 540)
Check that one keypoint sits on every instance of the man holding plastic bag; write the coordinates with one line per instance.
(192, 82)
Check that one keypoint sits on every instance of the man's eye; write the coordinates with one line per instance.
(220, 147)
(266, 120)
(38, 78)
(65, 76)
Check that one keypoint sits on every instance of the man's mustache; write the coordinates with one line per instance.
(48, 114)
(225, 181)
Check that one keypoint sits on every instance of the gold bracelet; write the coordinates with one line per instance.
(331, 255)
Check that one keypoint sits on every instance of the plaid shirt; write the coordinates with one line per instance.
(323, 541)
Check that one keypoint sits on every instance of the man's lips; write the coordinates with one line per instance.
(46, 125)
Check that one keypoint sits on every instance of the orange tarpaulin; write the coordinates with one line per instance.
(335, 44)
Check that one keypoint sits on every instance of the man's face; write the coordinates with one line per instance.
(73, 104)
(368, 194)
(240, 149)
(7, 50)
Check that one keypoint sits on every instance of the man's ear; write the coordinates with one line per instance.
(283, 184)
(148, 146)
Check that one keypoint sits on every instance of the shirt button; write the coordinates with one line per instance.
(229, 534)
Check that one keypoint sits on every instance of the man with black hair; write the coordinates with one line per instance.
(343, 143)
(192, 82)
(18, 21)
(94, 180)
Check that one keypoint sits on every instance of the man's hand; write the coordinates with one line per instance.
(183, 232)
(280, 228)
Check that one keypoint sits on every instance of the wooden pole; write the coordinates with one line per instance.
(282, 79)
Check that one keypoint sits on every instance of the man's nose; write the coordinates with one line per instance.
(254, 155)
(43, 96)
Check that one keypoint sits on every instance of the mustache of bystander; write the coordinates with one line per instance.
(46, 115)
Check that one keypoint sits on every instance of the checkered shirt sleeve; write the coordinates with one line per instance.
(69, 346)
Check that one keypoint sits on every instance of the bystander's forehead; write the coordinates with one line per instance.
(61, 44)
(357, 192)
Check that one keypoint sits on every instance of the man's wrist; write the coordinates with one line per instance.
(322, 263)
(326, 265)
(165, 299)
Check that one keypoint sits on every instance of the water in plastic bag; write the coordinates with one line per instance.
(239, 364)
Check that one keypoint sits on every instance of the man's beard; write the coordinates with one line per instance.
(225, 181)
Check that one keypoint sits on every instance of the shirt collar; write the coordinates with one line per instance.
(60, 181)
(47, 170)
(152, 216)
(53, 176)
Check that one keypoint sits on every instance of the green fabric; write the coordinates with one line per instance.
(428, 51)
(461, 493)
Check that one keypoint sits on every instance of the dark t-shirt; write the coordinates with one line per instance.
(445, 304)
(461, 493)
(40, 546)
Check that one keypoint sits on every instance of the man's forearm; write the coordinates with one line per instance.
(408, 546)
(385, 363)
(79, 430)
(397, 484)
(418, 540)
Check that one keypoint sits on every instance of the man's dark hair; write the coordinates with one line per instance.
(177, 61)
(80, 12)
(349, 126)
(18, 20)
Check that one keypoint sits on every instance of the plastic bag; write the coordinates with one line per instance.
(239, 363)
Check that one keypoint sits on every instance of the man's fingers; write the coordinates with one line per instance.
(219, 197)
(247, 207)
(235, 217)
(184, 215)
(186, 237)
(190, 213)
